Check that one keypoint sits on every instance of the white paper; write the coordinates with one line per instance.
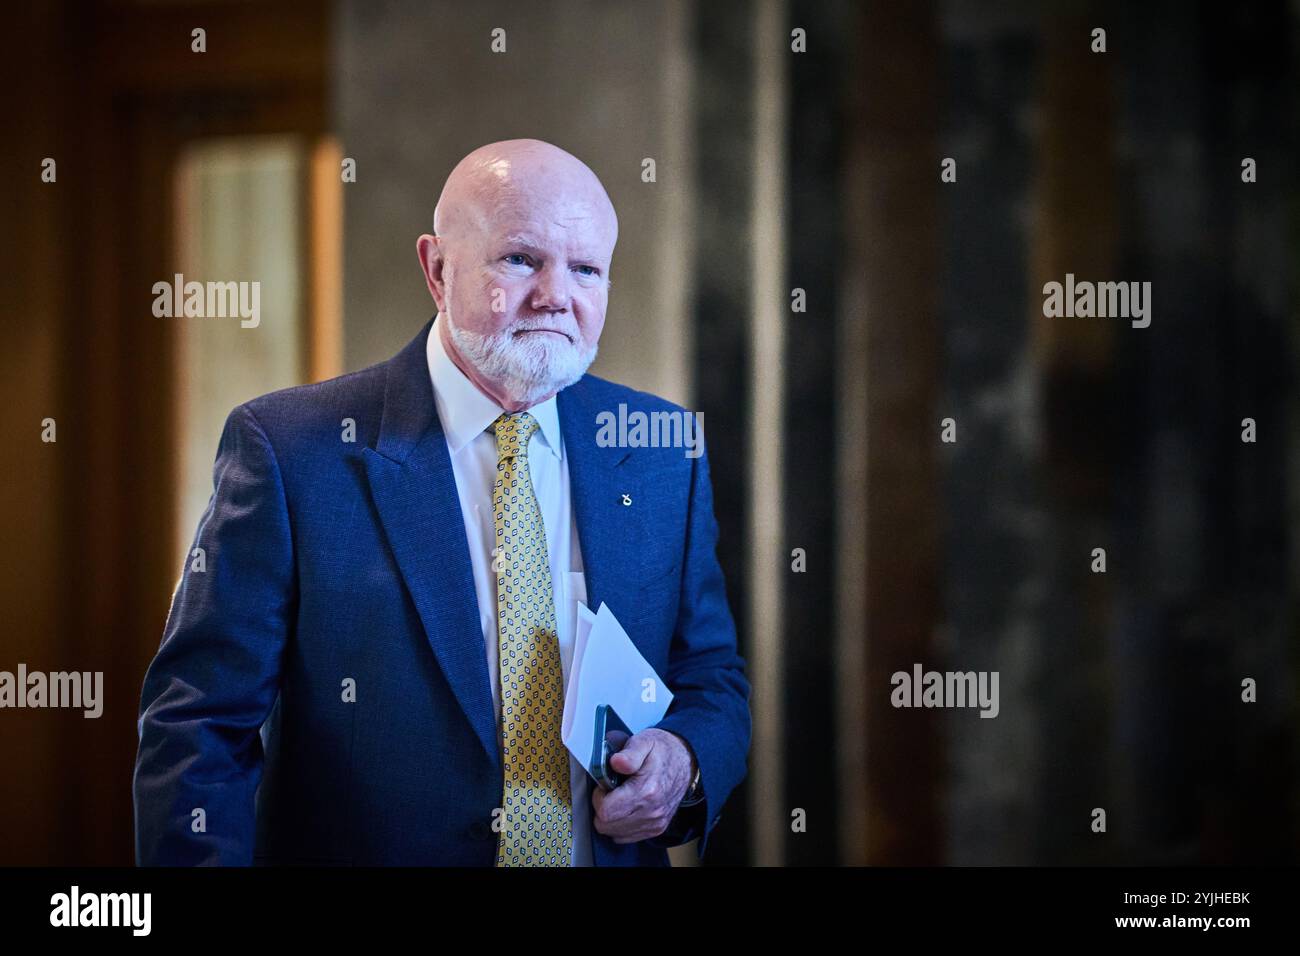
(608, 669)
(583, 619)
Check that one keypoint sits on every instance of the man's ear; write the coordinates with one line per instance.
(427, 247)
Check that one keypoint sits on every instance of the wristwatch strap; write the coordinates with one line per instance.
(694, 793)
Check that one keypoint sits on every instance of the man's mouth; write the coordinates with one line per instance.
(564, 335)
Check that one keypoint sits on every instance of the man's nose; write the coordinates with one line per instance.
(551, 291)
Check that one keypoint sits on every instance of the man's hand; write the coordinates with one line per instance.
(658, 767)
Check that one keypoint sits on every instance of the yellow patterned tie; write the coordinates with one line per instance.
(538, 825)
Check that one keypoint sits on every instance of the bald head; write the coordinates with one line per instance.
(518, 264)
(503, 178)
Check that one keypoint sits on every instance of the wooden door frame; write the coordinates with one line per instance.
(140, 96)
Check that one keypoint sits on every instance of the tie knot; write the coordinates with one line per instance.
(513, 432)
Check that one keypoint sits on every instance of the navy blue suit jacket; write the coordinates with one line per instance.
(328, 560)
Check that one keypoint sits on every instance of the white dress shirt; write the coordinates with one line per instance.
(467, 417)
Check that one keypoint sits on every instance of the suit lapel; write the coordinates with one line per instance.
(414, 489)
(608, 530)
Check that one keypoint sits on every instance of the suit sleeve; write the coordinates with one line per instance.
(217, 672)
(706, 673)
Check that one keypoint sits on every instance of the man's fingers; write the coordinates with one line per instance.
(628, 807)
(634, 809)
(638, 824)
(630, 759)
(621, 802)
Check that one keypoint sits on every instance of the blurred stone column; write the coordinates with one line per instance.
(1073, 231)
(892, 247)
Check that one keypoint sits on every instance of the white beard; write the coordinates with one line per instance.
(527, 369)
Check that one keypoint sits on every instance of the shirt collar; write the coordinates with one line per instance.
(465, 411)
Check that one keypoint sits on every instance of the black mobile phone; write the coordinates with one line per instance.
(611, 736)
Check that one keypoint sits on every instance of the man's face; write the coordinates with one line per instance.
(526, 291)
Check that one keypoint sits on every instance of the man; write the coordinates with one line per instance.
(370, 667)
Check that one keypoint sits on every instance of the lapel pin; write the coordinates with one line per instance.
(627, 499)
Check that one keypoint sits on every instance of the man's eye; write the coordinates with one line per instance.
(591, 270)
(523, 260)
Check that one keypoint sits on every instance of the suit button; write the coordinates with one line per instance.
(479, 830)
